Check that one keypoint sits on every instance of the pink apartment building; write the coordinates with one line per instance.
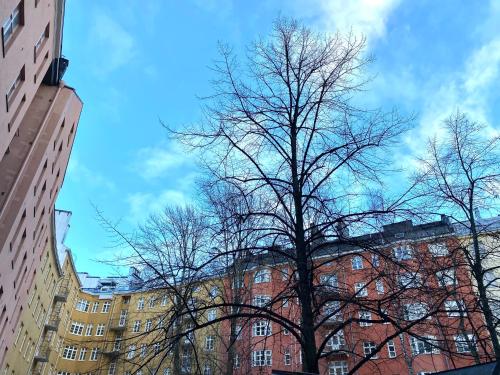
(38, 119)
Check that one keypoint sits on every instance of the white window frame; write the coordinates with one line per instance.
(212, 315)
(423, 346)
(461, 343)
(106, 306)
(379, 287)
(261, 358)
(262, 276)
(338, 368)
(140, 304)
(209, 343)
(69, 352)
(391, 349)
(100, 330)
(261, 328)
(438, 249)
(357, 262)
(364, 314)
(415, 311)
(261, 300)
(403, 252)
(368, 348)
(360, 289)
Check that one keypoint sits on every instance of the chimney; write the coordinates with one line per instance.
(342, 229)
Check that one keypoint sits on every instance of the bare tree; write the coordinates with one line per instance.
(461, 176)
(285, 131)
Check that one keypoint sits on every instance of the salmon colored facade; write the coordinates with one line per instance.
(38, 120)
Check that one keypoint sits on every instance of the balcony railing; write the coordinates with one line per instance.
(52, 322)
(61, 294)
(118, 324)
(43, 352)
(111, 350)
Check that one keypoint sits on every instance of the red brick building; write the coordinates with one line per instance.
(402, 297)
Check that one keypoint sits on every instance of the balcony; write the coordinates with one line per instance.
(112, 351)
(61, 294)
(52, 322)
(333, 352)
(118, 325)
(43, 352)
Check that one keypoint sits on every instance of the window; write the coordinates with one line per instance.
(337, 368)
(95, 306)
(455, 308)
(415, 311)
(156, 347)
(329, 280)
(212, 315)
(151, 302)
(361, 290)
(464, 343)
(12, 22)
(83, 305)
(375, 261)
(214, 292)
(112, 368)
(76, 328)
(369, 347)
(236, 361)
(93, 354)
(391, 349)
(88, 330)
(164, 301)
(262, 276)
(424, 345)
(123, 318)
(284, 273)
(438, 249)
(261, 300)
(287, 357)
(69, 352)
(43, 37)
(357, 263)
(237, 331)
(446, 277)
(336, 342)
(286, 332)
(166, 371)
(131, 352)
(366, 315)
(100, 330)
(402, 252)
(209, 343)
(144, 350)
(83, 353)
(137, 326)
(410, 280)
(332, 311)
(261, 328)
(261, 358)
(105, 306)
(148, 325)
(379, 286)
(284, 303)
(207, 370)
(140, 304)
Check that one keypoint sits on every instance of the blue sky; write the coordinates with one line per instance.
(136, 62)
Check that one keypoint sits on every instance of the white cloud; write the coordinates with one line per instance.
(367, 17)
(141, 205)
(154, 162)
(114, 46)
(80, 173)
